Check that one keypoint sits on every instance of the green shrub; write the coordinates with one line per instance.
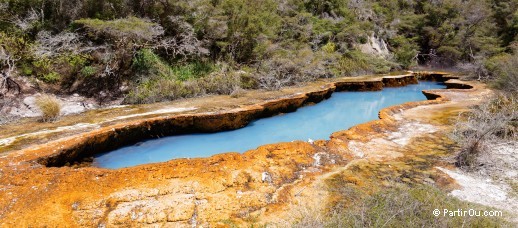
(405, 51)
(145, 60)
(355, 63)
(43, 64)
(450, 53)
(51, 77)
(74, 61)
(330, 47)
(26, 69)
(503, 67)
(192, 70)
(49, 106)
(88, 71)
(159, 81)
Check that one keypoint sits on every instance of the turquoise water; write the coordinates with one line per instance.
(342, 111)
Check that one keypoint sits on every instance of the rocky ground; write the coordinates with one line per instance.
(495, 184)
(275, 184)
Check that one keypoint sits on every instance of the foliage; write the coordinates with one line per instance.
(503, 67)
(145, 60)
(355, 63)
(287, 68)
(405, 50)
(491, 121)
(51, 77)
(193, 70)
(404, 207)
(49, 106)
(103, 45)
(160, 82)
(397, 206)
(132, 28)
(88, 71)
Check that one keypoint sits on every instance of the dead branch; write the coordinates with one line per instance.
(8, 68)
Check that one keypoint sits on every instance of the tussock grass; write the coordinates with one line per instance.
(49, 106)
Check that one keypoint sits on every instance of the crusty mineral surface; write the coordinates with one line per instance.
(274, 184)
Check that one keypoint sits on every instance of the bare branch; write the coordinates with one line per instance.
(28, 21)
(49, 45)
(9, 67)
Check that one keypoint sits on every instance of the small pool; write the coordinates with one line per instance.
(342, 111)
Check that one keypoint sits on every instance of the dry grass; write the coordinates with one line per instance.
(397, 206)
(486, 124)
(49, 106)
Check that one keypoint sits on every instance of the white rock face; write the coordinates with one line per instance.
(375, 46)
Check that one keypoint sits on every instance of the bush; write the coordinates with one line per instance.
(149, 64)
(159, 81)
(193, 70)
(402, 206)
(88, 71)
(396, 206)
(355, 63)
(51, 77)
(504, 68)
(136, 29)
(155, 90)
(169, 87)
(220, 82)
(288, 68)
(405, 51)
(474, 131)
(49, 106)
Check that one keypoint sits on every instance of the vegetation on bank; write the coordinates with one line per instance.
(149, 51)
(398, 206)
(484, 126)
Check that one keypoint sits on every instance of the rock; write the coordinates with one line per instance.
(266, 177)
(375, 46)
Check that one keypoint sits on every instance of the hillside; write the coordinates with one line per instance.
(151, 51)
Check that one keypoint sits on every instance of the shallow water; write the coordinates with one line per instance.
(342, 111)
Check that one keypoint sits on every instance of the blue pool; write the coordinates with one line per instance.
(342, 111)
